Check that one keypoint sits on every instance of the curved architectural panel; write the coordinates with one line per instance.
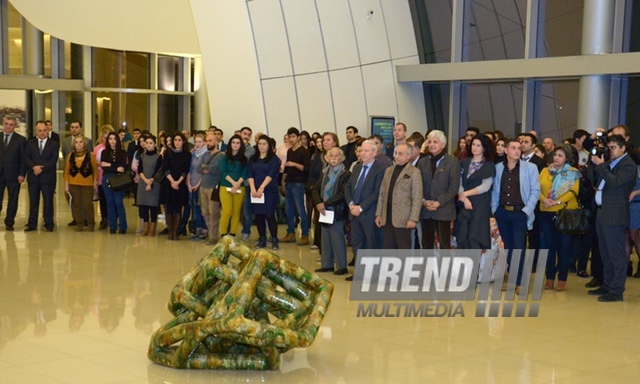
(270, 36)
(164, 26)
(316, 107)
(305, 39)
(338, 34)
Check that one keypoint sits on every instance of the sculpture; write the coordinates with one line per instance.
(240, 315)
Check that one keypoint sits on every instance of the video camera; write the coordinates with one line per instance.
(600, 148)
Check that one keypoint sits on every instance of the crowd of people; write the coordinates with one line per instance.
(365, 194)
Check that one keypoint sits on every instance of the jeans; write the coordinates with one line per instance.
(513, 230)
(560, 247)
(295, 196)
(115, 206)
(197, 212)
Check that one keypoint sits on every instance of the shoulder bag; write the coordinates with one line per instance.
(572, 221)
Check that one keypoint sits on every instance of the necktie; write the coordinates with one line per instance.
(6, 140)
(41, 146)
(357, 193)
(525, 158)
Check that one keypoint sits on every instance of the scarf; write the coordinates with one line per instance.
(563, 180)
(329, 180)
(434, 162)
(199, 152)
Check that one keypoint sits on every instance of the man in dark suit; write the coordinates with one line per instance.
(52, 135)
(349, 149)
(399, 137)
(12, 168)
(617, 178)
(67, 144)
(361, 193)
(41, 158)
(441, 181)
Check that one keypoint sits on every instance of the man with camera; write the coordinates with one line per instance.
(617, 176)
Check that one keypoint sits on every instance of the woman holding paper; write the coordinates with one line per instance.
(264, 166)
(328, 196)
(233, 172)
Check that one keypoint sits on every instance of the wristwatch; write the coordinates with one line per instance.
(360, 209)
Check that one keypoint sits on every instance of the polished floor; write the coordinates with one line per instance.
(80, 308)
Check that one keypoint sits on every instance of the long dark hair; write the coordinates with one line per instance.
(270, 153)
(119, 149)
(240, 155)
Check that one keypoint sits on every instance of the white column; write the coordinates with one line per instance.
(597, 39)
(202, 115)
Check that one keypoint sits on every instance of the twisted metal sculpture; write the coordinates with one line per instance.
(240, 315)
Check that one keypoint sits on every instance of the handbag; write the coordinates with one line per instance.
(572, 221)
(121, 181)
(215, 194)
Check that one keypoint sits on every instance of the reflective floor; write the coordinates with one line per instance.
(80, 308)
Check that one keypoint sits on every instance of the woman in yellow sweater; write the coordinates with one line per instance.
(80, 180)
(559, 188)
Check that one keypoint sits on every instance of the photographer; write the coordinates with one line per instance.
(617, 177)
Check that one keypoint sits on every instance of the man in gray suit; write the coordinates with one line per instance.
(67, 144)
(617, 178)
(400, 200)
(440, 182)
(12, 168)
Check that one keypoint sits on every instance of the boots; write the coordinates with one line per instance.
(262, 242)
(562, 286)
(176, 226)
(549, 284)
(145, 229)
(170, 223)
(152, 229)
(274, 243)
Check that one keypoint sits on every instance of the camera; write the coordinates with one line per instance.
(600, 147)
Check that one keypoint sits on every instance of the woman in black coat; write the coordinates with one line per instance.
(477, 173)
(173, 192)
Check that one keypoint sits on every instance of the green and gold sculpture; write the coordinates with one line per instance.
(240, 312)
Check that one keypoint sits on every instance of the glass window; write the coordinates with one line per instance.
(562, 28)
(117, 69)
(556, 111)
(492, 107)
(171, 113)
(495, 32)
(436, 32)
(121, 110)
(15, 41)
(168, 73)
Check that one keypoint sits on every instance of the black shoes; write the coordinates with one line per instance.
(29, 229)
(350, 278)
(594, 283)
(340, 272)
(324, 270)
(112, 231)
(352, 263)
(584, 274)
(9, 228)
(73, 223)
(48, 229)
(609, 298)
(123, 231)
(597, 292)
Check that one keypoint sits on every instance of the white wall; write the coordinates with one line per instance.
(327, 64)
